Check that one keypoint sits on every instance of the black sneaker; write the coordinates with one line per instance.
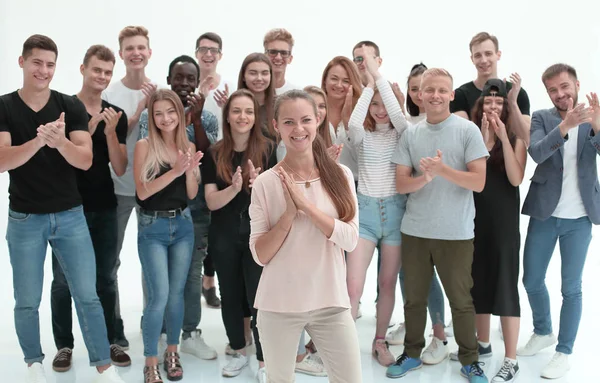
(62, 360)
(211, 297)
(508, 372)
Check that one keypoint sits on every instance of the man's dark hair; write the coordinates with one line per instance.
(183, 59)
(101, 52)
(212, 37)
(556, 69)
(38, 42)
(367, 43)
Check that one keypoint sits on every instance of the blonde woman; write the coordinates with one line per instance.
(166, 171)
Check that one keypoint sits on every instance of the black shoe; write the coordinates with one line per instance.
(62, 360)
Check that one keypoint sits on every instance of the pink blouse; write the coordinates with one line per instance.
(309, 270)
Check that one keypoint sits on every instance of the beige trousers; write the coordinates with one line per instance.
(332, 330)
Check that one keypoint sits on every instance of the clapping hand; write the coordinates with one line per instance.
(237, 181)
(53, 133)
(252, 173)
(431, 166)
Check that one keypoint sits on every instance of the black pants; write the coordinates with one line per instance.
(103, 230)
(238, 280)
(209, 267)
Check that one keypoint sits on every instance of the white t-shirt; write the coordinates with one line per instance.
(414, 120)
(570, 205)
(286, 86)
(127, 99)
(211, 105)
(349, 156)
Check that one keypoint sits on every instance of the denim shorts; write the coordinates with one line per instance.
(380, 218)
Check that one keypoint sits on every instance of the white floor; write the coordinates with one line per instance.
(13, 369)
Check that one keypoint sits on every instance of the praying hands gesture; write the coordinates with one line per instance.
(292, 189)
(252, 173)
(335, 151)
(53, 133)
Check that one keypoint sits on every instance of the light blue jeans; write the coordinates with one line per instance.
(165, 247)
(67, 232)
(574, 236)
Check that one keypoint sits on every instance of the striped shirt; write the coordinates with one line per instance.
(376, 172)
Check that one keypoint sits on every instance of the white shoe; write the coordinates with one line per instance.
(235, 365)
(36, 374)
(557, 368)
(536, 344)
(109, 375)
(261, 375)
(311, 365)
(196, 346)
(396, 337)
(231, 351)
(162, 347)
(436, 352)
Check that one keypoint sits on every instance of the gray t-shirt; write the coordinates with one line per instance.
(441, 209)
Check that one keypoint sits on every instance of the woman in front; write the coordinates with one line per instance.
(304, 215)
(227, 173)
(166, 176)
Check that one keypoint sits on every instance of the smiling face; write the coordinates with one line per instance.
(183, 80)
(257, 76)
(493, 104)
(377, 110)
(436, 93)
(135, 52)
(297, 124)
(485, 58)
(208, 55)
(562, 89)
(337, 82)
(97, 74)
(241, 115)
(165, 116)
(276, 50)
(38, 69)
(321, 105)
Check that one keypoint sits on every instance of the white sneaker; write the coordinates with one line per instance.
(162, 347)
(396, 337)
(261, 375)
(536, 344)
(36, 374)
(231, 351)
(436, 352)
(557, 368)
(109, 375)
(196, 346)
(311, 365)
(235, 365)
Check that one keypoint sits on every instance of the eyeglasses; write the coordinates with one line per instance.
(360, 59)
(275, 52)
(204, 50)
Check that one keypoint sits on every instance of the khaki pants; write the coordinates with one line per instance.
(332, 330)
(452, 260)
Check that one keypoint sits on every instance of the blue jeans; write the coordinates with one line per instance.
(435, 300)
(67, 232)
(165, 247)
(574, 236)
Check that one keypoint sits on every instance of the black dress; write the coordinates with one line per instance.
(495, 268)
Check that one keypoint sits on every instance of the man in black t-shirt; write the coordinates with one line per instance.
(108, 128)
(44, 138)
(485, 55)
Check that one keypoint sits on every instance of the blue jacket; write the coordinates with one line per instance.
(546, 149)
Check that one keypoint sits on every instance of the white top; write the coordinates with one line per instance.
(127, 99)
(377, 173)
(570, 204)
(211, 105)
(286, 86)
(349, 156)
(414, 120)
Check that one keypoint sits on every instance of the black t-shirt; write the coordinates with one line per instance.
(47, 182)
(96, 185)
(467, 94)
(173, 196)
(238, 206)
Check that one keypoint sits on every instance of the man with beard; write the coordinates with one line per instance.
(563, 203)
(202, 129)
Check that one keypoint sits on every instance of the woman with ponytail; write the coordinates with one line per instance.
(304, 215)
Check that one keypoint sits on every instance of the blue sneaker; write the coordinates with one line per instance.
(474, 373)
(404, 364)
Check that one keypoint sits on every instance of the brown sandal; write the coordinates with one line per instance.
(152, 374)
(172, 366)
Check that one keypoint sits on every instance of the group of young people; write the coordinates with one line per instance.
(291, 191)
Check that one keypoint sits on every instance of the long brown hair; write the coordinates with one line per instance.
(324, 126)
(223, 151)
(333, 177)
(353, 75)
(496, 154)
(269, 92)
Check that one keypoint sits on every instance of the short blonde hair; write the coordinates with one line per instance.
(435, 72)
(481, 37)
(278, 34)
(132, 31)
